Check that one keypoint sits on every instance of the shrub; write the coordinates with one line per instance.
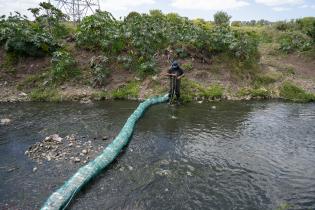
(100, 70)
(63, 66)
(33, 38)
(292, 92)
(99, 30)
(294, 41)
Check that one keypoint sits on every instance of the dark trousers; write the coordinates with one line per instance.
(174, 88)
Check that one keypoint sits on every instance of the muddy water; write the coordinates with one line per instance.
(254, 155)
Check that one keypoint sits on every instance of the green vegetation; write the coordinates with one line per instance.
(254, 92)
(192, 90)
(130, 90)
(33, 38)
(187, 66)
(136, 40)
(41, 94)
(100, 70)
(266, 79)
(63, 66)
(292, 92)
(141, 43)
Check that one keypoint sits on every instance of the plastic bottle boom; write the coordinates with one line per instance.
(62, 197)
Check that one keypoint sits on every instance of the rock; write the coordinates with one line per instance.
(54, 137)
(213, 107)
(188, 173)
(130, 168)
(22, 94)
(5, 121)
(166, 190)
(104, 138)
(84, 151)
(85, 101)
(70, 144)
(200, 102)
(35, 169)
(85, 162)
(77, 160)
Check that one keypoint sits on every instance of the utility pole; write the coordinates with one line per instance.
(77, 9)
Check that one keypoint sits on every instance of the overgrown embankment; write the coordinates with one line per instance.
(49, 59)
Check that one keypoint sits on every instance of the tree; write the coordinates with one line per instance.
(222, 18)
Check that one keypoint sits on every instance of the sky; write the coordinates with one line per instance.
(271, 10)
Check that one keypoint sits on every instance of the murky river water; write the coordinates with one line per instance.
(241, 155)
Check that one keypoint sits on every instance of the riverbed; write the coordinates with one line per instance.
(219, 155)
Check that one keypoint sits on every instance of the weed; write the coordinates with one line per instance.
(292, 92)
(130, 90)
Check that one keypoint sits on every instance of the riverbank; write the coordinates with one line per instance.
(289, 77)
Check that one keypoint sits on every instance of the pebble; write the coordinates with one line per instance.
(76, 160)
(200, 102)
(84, 151)
(190, 167)
(166, 190)
(104, 138)
(130, 168)
(213, 107)
(34, 169)
(188, 173)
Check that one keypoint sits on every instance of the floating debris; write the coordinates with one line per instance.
(5, 121)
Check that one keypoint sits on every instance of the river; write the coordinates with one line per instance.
(219, 155)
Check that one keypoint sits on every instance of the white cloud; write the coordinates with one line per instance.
(19, 6)
(209, 4)
(281, 9)
(280, 2)
(313, 6)
(123, 5)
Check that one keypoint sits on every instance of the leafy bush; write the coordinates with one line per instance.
(292, 92)
(137, 39)
(244, 46)
(294, 41)
(32, 38)
(100, 70)
(98, 30)
(63, 66)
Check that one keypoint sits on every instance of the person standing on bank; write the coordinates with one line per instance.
(175, 73)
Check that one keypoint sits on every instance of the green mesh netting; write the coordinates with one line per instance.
(62, 197)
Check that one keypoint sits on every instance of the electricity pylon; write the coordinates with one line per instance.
(77, 9)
